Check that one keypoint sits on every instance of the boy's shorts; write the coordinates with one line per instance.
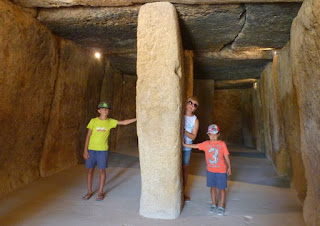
(99, 158)
(186, 157)
(218, 180)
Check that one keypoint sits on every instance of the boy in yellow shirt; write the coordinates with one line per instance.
(96, 146)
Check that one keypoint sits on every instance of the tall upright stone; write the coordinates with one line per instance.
(159, 110)
(204, 90)
(188, 73)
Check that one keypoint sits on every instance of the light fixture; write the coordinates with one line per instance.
(97, 55)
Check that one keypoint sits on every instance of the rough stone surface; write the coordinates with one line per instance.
(291, 121)
(305, 53)
(188, 74)
(248, 122)
(113, 30)
(91, 97)
(267, 25)
(28, 69)
(159, 110)
(235, 84)
(127, 135)
(227, 114)
(117, 83)
(258, 117)
(272, 119)
(205, 28)
(229, 69)
(197, 34)
(204, 90)
(61, 142)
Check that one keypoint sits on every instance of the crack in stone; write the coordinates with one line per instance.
(243, 15)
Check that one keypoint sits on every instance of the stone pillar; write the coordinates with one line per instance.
(188, 73)
(159, 110)
(204, 90)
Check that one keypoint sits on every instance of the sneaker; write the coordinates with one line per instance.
(212, 208)
(220, 211)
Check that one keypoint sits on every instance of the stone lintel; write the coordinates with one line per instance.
(235, 84)
(119, 3)
(245, 54)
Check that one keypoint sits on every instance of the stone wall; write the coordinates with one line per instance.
(272, 119)
(204, 90)
(290, 90)
(305, 58)
(291, 121)
(44, 95)
(231, 109)
(76, 67)
(281, 116)
(127, 135)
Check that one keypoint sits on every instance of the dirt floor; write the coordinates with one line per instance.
(255, 196)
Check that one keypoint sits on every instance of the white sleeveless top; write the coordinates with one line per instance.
(189, 122)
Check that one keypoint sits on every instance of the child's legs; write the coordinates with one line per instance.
(213, 192)
(89, 180)
(222, 185)
(211, 182)
(90, 164)
(222, 195)
(102, 162)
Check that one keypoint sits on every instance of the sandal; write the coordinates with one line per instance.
(87, 196)
(100, 197)
(220, 211)
(212, 208)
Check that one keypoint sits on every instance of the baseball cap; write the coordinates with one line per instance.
(104, 105)
(213, 129)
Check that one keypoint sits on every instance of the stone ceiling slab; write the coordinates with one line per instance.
(126, 63)
(210, 27)
(208, 30)
(229, 69)
(111, 29)
(267, 25)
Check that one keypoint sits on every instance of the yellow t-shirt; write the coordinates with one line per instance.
(100, 133)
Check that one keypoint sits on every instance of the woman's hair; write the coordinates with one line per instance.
(194, 98)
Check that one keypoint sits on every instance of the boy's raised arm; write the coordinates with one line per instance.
(190, 145)
(127, 121)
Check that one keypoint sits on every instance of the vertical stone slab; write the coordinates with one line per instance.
(204, 90)
(248, 122)
(305, 53)
(291, 121)
(227, 114)
(61, 143)
(28, 70)
(159, 110)
(127, 135)
(188, 73)
(272, 119)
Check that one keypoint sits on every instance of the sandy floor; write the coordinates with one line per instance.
(255, 196)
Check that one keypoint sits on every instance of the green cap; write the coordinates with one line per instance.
(104, 105)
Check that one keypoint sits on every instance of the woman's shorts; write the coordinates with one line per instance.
(218, 180)
(99, 158)
(186, 157)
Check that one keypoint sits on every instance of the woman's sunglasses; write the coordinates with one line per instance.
(193, 104)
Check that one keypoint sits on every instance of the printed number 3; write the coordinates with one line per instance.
(214, 156)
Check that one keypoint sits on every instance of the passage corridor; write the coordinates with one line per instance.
(255, 196)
